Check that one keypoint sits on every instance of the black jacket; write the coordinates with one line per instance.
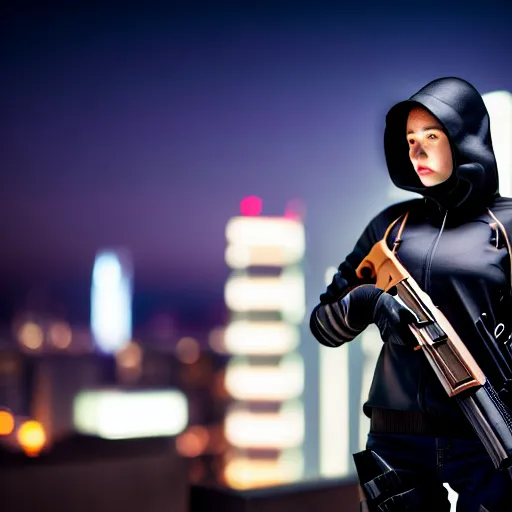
(448, 245)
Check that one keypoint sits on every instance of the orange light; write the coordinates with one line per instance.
(193, 441)
(6, 423)
(32, 437)
(30, 335)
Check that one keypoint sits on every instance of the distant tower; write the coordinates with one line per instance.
(499, 106)
(111, 300)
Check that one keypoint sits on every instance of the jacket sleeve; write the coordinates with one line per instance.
(329, 319)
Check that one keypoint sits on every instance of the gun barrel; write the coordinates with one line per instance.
(492, 422)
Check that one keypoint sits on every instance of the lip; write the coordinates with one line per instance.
(424, 170)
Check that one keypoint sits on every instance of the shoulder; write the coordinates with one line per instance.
(502, 208)
(384, 218)
(502, 203)
(397, 209)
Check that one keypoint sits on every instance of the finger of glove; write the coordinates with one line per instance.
(388, 306)
(405, 336)
(406, 317)
(365, 294)
(398, 334)
(392, 320)
(360, 304)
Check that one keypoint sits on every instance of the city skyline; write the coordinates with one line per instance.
(145, 128)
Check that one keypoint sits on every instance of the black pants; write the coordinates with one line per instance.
(462, 463)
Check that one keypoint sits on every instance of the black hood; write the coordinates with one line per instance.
(461, 110)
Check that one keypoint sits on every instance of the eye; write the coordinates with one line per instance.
(411, 142)
(432, 136)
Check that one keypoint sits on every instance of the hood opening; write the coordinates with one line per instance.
(460, 109)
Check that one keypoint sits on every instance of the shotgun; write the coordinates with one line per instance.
(454, 366)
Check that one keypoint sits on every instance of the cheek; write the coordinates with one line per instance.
(445, 159)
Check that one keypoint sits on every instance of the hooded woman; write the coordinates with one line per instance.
(438, 144)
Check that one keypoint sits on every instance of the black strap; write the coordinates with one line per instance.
(398, 238)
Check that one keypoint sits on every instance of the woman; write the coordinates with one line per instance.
(437, 143)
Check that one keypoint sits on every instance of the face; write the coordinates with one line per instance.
(429, 147)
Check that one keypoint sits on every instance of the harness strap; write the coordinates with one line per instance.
(398, 238)
(496, 223)
(507, 241)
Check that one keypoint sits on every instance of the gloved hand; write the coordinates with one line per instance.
(359, 305)
(392, 320)
(368, 304)
(336, 323)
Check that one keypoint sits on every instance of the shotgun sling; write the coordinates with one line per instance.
(455, 367)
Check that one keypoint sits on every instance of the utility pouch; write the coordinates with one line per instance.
(384, 489)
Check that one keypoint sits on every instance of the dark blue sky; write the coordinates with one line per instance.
(145, 126)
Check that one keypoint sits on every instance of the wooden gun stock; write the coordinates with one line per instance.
(450, 359)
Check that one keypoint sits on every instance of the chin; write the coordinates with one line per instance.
(431, 181)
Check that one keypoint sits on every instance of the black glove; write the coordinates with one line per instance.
(335, 323)
(360, 304)
(392, 320)
(339, 322)
(368, 304)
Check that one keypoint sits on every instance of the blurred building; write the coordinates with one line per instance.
(264, 378)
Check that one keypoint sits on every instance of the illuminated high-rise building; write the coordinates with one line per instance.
(265, 295)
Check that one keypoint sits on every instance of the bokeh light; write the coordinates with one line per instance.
(251, 206)
(188, 350)
(30, 335)
(32, 437)
(60, 335)
(6, 423)
(193, 441)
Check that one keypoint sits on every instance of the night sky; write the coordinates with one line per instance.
(144, 127)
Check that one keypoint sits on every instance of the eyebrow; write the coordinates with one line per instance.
(425, 128)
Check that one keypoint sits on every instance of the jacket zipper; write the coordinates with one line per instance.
(430, 256)
(426, 288)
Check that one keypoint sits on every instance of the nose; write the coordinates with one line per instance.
(417, 150)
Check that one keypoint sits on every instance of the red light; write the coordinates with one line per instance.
(251, 206)
(295, 209)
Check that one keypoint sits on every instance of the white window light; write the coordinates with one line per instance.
(246, 473)
(284, 293)
(280, 430)
(123, 415)
(266, 232)
(280, 382)
(260, 338)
